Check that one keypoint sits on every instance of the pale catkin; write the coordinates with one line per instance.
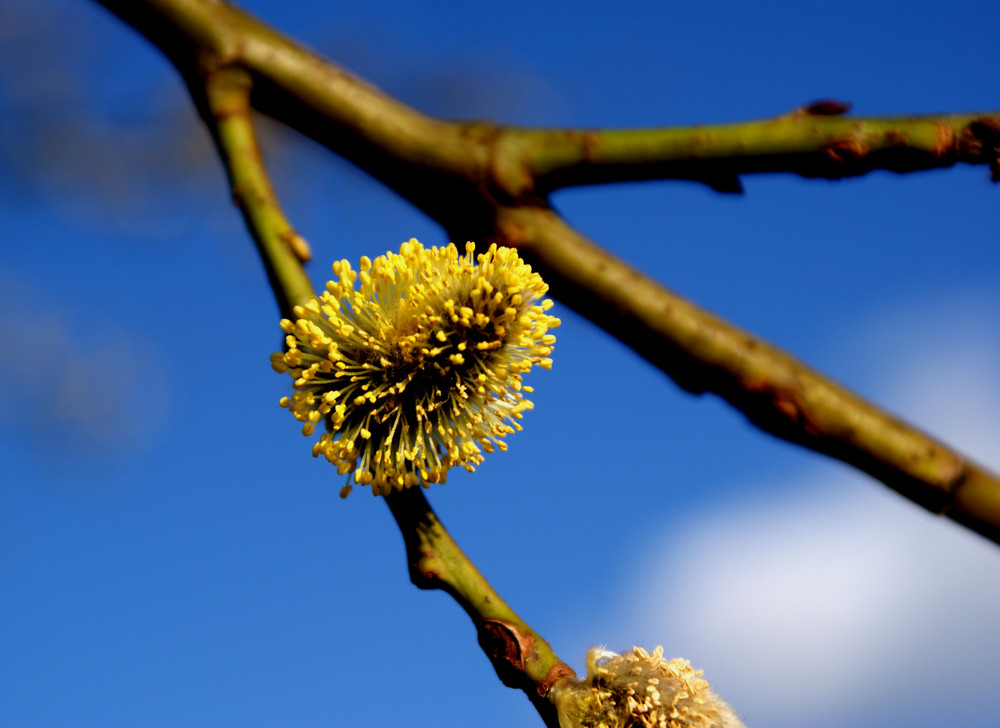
(639, 689)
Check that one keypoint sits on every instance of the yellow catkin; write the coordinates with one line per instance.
(415, 366)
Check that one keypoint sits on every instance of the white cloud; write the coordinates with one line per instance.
(839, 603)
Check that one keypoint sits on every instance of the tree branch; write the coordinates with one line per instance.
(520, 656)
(778, 393)
(488, 182)
(804, 143)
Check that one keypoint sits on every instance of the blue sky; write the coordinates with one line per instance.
(170, 554)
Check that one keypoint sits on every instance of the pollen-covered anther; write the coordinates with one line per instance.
(417, 369)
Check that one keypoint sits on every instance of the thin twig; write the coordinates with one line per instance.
(521, 658)
(227, 112)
